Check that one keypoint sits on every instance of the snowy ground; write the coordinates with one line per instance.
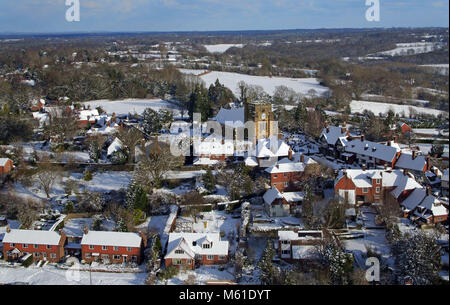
(402, 110)
(221, 48)
(203, 274)
(50, 275)
(123, 107)
(231, 80)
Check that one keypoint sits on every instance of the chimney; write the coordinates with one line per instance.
(429, 191)
(8, 229)
(364, 167)
(395, 139)
(344, 128)
(405, 172)
(389, 143)
(302, 158)
(62, 234)
(144, 238)
(363, 138)
(414, 155)
(290, 154)
(85, 230)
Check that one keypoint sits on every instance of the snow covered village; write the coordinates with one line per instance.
(316, 157)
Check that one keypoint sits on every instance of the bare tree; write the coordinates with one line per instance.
(47, 175)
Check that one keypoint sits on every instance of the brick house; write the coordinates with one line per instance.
(286, 176)
(112, 247)
(424, 208)
(298, 246)
(191, 249)
(43, 245)
(6, 166)
(373, 186)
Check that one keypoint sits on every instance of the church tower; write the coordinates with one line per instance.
(261, 114)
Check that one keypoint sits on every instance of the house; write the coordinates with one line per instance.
(277, 204)
(329, 139)
(43, 245)
(404, 128)
(298, 246)
(37, 105)
(444, 183)
(86, 117)
(286, 176)
(191, 249)
(269, 150)
(364, 186)
(430, 210)
(6, 166)
(112, 247)
(369, 153)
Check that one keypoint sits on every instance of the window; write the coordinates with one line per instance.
(198, 257)
(179, 251)
(116, 257)
(44, 254)
(286, 184)
(36, 246)
(285, 242)
(275, 176)
(129, 249)
(378, 189)
(378, 181)
(12, 245)
(37, 254)
(134, 258)
(52, 255)
(25, 246)
(176, 262)
(285, 174)
(210, 257)
(116, 248)
(91, 247)
(104, 247)
(365, 190)
(222, 257)
(49, 246)
(206, 246)
(105, 257)
(286, 252)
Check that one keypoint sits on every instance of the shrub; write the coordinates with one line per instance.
(87, 175)
(168, 273)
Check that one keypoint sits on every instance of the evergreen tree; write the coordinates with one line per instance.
(209, 180)
(266, 265)
(151, 121)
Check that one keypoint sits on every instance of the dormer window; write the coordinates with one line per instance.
(179, 251)
(206, 246)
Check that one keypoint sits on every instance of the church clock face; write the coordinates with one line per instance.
(263, 116)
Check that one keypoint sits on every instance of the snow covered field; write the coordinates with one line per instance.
(123, 107)
(402, 110)
(403, 49)
(442, 69)
(221, 48)
(231, 80)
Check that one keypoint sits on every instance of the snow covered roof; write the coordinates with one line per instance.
(414, 199)
(272, 147)
(115, 146)
(191, 244)
(113, 239)
(371, 149)
(85, 115)
(300, 235)
(434, 205)
(271, 195)
(231, 117)
(3, 161)
(332, 133)
(286, 168)
(36, 237)
(406, 161)
(390, 178)
(251, 161)
(214, 146)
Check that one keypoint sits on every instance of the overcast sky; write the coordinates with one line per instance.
(39, 16)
